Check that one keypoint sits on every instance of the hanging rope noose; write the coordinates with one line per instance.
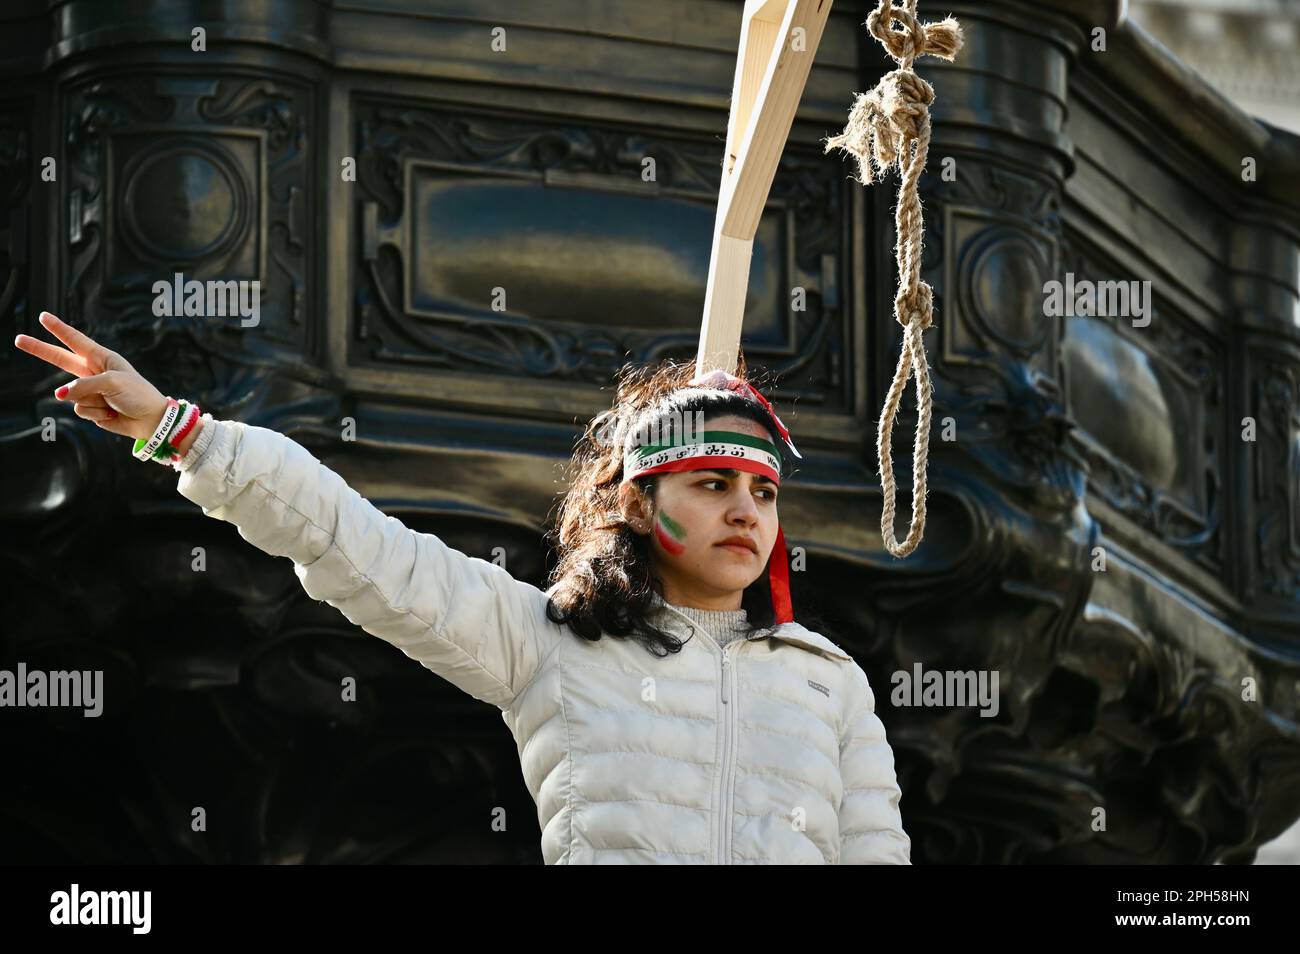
(883, 127)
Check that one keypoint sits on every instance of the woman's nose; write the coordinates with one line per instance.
(745, 507)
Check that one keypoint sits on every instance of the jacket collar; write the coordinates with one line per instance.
(793, 633)
(799, 636)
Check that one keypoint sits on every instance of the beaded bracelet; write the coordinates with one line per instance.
(199, 444)
(188, 420)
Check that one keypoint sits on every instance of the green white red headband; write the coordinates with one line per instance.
(712, 450)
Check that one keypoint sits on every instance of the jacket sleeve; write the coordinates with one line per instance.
(871, 826)
(466, 619)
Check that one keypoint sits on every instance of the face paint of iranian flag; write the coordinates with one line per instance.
(671, 534)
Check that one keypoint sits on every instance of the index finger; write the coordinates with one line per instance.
(82, 344)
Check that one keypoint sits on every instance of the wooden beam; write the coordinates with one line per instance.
(770, 77)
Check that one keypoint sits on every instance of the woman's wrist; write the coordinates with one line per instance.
(154, 421)
(186, 442)
(174, 430)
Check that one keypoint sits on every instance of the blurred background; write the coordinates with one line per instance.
(465, 215)
(1250, 51)
(1246, 49)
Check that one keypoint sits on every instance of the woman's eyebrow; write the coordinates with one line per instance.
(758, 478)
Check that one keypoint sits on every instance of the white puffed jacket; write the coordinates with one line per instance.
(767, 751)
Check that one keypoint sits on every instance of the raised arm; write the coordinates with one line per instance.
(466, 619)
(871, 826)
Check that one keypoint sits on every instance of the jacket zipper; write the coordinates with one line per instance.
(726, 801)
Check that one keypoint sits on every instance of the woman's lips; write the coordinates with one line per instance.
(736, 548)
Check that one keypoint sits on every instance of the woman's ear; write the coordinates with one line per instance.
(635, 507)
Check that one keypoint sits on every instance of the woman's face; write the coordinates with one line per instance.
(694, 511)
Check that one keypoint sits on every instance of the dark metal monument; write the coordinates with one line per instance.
(447, 206)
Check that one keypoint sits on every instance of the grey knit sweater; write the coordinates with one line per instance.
(722, 625)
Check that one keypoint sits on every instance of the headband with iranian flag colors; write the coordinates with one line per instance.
(712, 450)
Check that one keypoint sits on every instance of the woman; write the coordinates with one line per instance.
(666, 707)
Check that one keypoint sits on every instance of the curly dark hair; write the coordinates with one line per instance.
(604, 580)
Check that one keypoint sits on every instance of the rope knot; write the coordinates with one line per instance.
(915, 306)
(883, 122)
(942, 39)
(905, 99)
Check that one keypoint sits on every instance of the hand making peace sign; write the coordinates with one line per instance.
(108, 390)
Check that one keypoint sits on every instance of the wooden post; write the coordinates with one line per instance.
(770, 77)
